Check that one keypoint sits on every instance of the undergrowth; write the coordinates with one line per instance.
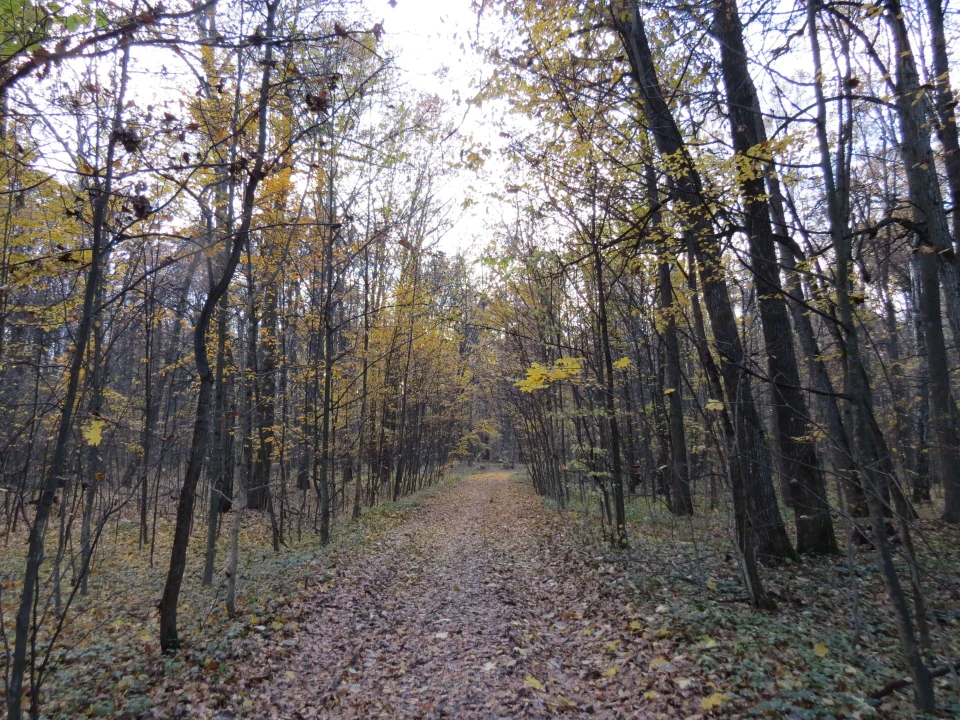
(815, 657)
(106, 660)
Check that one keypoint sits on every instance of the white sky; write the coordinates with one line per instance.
(431, 40)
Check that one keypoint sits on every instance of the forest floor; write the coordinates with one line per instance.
(475, 599)
(480, 606)
(486, 604)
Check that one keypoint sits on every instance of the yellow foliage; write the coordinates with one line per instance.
(93, 431)
(540, 376)
(531, 682)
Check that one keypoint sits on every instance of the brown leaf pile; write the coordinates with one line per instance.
(480, 606)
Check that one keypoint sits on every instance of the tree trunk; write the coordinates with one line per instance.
(751, 454)
(682, 503)
(94, 462)
(53, 477)
(620, 515)
(945, 105)
(838, 442)
(860, 395)
(169, 639)
(361, 446)
(919, 464)
(798, 456)
(933, 242)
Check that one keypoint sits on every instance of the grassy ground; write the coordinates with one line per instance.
(106, 658)
(833, 640)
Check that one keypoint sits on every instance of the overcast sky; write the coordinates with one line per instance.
(431, 40)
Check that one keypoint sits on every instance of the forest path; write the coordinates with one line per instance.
(480, 605)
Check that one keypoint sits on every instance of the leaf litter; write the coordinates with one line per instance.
(483, 603)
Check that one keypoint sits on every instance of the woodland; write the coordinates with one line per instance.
(674, 434)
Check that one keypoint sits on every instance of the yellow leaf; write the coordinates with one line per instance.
(820, 650)
(708, 643)
(531, 682)
(657, 662)
(711, 585)
(290, 674)
(669, 390)
(714, 405)
(622, 363)
(93, 431)
(636, 626)
(715, 700)
(651, 695)
(610, 671)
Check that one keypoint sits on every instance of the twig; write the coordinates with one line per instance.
(892, 687)
(339, 678)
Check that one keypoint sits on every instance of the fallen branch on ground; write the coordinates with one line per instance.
(892, 687)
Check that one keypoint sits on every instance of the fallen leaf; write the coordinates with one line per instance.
(713, 701)
(531, 682)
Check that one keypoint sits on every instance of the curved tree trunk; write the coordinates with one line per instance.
(169, 639)
(752, 456)
(798, 455)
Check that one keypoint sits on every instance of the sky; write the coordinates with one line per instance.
(431, 42)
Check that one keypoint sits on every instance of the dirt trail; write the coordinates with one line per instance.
(478, 606)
